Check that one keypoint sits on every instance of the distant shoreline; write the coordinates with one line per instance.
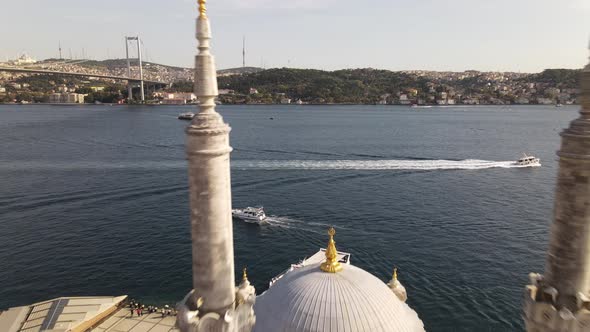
(285, 105)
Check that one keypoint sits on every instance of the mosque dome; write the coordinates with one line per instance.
(347, 298)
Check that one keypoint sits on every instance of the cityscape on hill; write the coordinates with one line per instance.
(252, 85)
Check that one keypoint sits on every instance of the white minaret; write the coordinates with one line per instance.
(560, 300)
(211, 305)
(397, 288)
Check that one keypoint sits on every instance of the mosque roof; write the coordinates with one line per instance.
(329, 296)
(309, 299)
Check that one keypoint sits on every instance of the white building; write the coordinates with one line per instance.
(22, 60)
(404, 100)
(471, 101)
(544, 101)
(66, 98)
(179, 98)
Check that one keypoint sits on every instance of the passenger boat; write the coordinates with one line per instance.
(529, 161)
(253, 215)
(186, 116)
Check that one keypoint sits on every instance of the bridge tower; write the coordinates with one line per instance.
(129, 86)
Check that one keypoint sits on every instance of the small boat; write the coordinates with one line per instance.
(186, 116)
(558, 105)
(528, 161)
(254, 215)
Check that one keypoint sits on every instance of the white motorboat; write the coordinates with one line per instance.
(253, 215)
(186, 116)
(529, 161)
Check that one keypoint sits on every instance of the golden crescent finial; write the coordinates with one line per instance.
(244, 275)
(202, 8)
(331, 265)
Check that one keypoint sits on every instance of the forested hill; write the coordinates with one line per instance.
(368, 86)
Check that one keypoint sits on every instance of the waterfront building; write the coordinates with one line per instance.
(404, 100)
(66, 98)
(226, 92)
(559, 300)
(471, 101)
(545, 101)
(178, 98)
(522, 100)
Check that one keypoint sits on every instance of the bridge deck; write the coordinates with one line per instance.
(41, 71)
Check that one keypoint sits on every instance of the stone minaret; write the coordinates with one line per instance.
(211, 305)
(560, 300)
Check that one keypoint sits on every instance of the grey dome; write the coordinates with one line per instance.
(308, 299)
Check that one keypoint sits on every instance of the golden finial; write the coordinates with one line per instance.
(202, 8)
(331, 265)
(244, 275)
(395, 274)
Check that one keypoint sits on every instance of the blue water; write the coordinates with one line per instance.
(93, 200)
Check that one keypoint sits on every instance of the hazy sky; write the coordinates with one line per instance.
(502, 35)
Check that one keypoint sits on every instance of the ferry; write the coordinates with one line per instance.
(186, 116)
(529, 161)
(420, 106)
(254, 215)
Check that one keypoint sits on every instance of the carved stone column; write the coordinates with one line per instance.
(559, 301)
(211, 305)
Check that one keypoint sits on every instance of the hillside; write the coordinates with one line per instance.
(370, 86)
(251, 85)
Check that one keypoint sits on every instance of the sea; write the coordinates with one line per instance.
(94, 200)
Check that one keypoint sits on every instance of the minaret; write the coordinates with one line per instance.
(245, 290)
(211, 305)
(397, 288)
(560, 300)
(243, 51)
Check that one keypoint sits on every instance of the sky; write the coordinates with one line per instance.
(442, 35)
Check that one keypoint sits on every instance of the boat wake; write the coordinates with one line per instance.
(392, 164)
(285, 222)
